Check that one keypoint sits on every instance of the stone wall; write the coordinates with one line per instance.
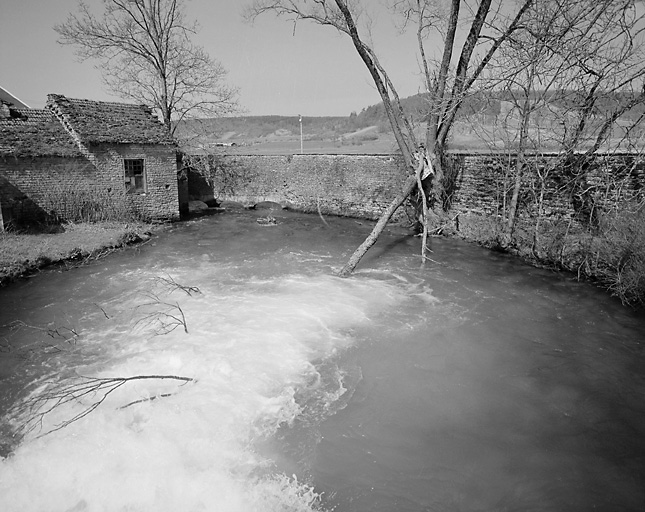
(346, 185)
(363, 185)
(31, 189)
(161, 198)
(26, 184)
(483, 183)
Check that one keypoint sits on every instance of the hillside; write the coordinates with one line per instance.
(486, 120)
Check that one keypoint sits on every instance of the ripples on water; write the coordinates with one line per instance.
(473, 383)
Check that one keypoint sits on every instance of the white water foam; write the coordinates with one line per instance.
(189, 446)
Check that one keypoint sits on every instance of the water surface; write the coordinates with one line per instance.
(470, 383)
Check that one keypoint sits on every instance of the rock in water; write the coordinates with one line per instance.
(267, 221)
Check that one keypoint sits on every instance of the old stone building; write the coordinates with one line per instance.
(76, 154)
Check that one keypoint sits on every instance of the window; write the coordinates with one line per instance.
(135, 178)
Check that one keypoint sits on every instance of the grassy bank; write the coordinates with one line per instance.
(611, 254)
(23, 254)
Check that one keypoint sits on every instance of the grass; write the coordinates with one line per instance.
(22, 254)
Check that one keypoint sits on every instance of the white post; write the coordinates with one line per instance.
(300, 119)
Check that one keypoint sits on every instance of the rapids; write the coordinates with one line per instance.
(470, 383)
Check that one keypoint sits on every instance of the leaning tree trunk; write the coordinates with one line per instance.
(438, 133)
(395, 122)
(408, 187)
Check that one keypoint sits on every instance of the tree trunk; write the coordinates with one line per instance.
(519, 164)
(408, 187)
(442, 115)
(535, 250)
(512, 211)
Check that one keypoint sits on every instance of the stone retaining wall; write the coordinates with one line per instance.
(346, 185)
(363, 185)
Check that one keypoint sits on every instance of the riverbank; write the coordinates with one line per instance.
(610, 255)
(25, 254)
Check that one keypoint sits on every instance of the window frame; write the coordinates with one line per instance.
(130, 175)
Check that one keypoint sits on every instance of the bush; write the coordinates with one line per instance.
(612, 255)
(617, 256)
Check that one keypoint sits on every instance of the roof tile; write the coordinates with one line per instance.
(108, 122)
(31, 132)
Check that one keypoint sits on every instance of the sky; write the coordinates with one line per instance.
(312, 71)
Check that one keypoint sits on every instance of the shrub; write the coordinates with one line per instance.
(612, 255)
(617, 256)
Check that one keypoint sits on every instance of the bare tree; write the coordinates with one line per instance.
(524, 75)
(581, 64)
(146, 54)
(446, 85)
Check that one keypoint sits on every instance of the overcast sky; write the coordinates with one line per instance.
(312, 72)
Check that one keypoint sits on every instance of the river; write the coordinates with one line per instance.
(222, 367)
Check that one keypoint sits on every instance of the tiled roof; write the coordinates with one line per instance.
(31, 132)
(10, 99)
(106, 122)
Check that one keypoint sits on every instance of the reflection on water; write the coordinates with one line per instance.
(473, 383)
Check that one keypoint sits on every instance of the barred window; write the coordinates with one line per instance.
(135, 176)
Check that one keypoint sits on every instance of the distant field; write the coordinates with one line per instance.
(349, 144)
(385, 145)
(281, 136)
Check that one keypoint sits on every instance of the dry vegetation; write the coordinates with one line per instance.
(611, 255)
(24, 253)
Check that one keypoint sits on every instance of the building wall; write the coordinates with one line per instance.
(28, 184)
(161, 199)
(33, 188)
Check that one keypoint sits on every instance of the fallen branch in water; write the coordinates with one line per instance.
(349, 267)
(39, 406)
(320, 213)
(170, 283)
(67, 334)
(168, 318)
(149, 399)
(61, 337)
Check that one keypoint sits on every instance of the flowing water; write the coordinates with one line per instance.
(241, 375)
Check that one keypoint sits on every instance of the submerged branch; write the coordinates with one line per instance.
(168, 318)
(98, 389)
(170, 283)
